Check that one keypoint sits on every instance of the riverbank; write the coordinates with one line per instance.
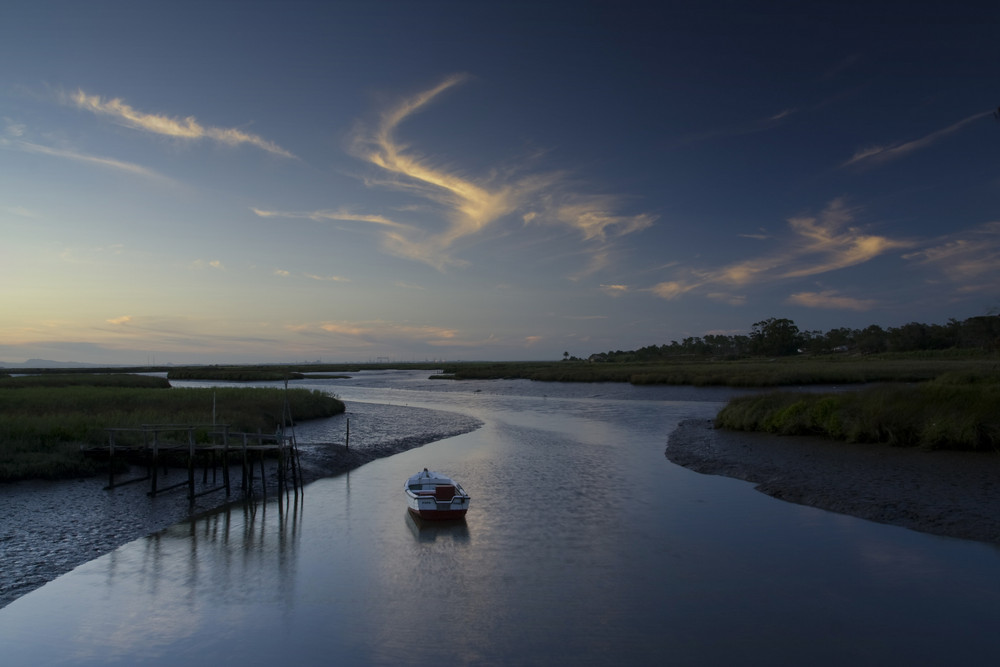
(48, 528)
(955, 494)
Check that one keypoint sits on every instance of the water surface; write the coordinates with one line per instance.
(583, 545)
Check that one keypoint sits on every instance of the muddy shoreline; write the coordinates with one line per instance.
(49, 528)
(955, 494)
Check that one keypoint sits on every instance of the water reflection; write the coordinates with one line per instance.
(455, 532)
(245, 551)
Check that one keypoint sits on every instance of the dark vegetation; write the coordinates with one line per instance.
(953, 411)
(46, 421)
(797, 370)
(85, 380)
(778, 337)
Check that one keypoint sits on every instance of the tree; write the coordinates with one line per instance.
(981, 332)
(775, 337)
(871, 340)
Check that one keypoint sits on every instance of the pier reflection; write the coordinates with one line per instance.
(240, 553)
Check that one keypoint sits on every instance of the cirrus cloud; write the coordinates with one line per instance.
(970, 258)
(881, 154)
(465, 206)
(818, 244)
(179, 128)
(830, 299)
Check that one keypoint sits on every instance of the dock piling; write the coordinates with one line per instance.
(187, 444)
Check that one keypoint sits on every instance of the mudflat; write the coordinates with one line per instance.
(950, 493)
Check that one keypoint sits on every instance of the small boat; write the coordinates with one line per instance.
(433, 496)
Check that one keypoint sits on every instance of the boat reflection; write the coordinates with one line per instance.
(456, 531)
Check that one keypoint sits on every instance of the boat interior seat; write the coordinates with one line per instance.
(444, 492)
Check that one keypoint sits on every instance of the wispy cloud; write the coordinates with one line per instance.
(109, 163)
(970, 258)
(332, 279)
(614, 290)
(378, 336)
(762, 235)
(181, 128)
(741, 127)
(818, 244)
(341, 215)
(830, 299)
(91, 254)
(594, 217)
(874, 155)
(672, 289)
(467, 205)
(208, 264)
(726, 297)
(828, 243)
(382, 332)
(21, 212)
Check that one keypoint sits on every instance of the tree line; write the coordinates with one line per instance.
(775, 337)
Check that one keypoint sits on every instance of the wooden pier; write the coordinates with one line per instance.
(160, 446)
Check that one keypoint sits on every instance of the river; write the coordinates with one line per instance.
(583, 545)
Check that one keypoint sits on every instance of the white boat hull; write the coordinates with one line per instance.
(434, 497)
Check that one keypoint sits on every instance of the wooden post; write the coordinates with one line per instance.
(247, 473)
(111, 459)
(156, 459)
(147, 455)
(263, 477)
(347, 440)
(191, 463)
(225, 458)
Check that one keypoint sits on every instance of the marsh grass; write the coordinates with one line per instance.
(85, 380)
(742, 373)
(43, 428)
(958, 410)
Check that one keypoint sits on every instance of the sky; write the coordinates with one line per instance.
(265, 182)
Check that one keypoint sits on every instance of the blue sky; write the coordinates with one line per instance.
(221, 182)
